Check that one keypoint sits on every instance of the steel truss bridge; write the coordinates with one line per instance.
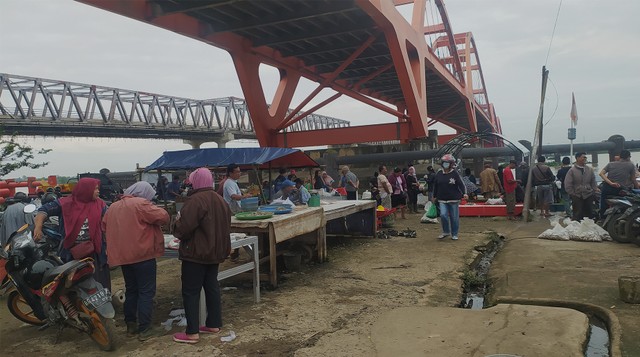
(35, 106)
(418, 71)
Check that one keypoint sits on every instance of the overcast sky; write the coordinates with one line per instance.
(594, 54)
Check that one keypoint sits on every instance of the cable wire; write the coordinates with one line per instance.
(557, 101)
(553, 33)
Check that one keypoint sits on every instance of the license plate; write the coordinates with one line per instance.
(98, 299)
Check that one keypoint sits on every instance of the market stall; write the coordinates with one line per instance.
(280, 228)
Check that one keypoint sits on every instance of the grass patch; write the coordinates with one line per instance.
(471, 280)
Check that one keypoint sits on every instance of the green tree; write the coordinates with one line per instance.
(14, 155)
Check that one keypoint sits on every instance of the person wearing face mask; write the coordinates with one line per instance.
(447, 191)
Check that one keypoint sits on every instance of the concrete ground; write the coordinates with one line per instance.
(580, 275)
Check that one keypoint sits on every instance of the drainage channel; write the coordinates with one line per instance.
(475, 284)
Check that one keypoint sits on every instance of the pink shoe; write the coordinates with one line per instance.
(182, 337)
(205, 329)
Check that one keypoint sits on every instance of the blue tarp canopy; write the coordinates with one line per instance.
(263, 158)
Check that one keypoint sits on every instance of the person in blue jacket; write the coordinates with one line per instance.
(447, 191)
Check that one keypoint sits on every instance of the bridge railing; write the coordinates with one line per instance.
(30, 100)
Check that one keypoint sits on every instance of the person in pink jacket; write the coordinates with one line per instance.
(134, 241)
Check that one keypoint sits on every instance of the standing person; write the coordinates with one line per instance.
(174, 189)
(447, 192)
(318, 182)
(490, 182)
(203, 227)
(161, 188)
(135, 240)
(373, 186)
(564, 196)
(617, 175)
(580, 183)
(399, 195)
(14, 217)
(510, 185)
(472, 179)
(542, 180)
(384, 187)
(277, 182)
(231, 191)
(328, 180)
(350, 183)
(430, 177)
(413, 188)
(80, 223)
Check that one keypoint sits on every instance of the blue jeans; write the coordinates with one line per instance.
(140, 285)
(450, 217)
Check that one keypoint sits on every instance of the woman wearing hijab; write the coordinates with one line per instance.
(447, 192)
(80, 223)
(203, 226)
(318, 182)
(328, 180)
(132, 227)
(413, 188)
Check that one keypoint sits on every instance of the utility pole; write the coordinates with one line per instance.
(537, 145)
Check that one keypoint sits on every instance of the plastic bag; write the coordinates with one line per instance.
(495, 201)
(587, 231)
(555, 233)
(590, 224)
(284, 202)
(425, 218)
(432, 211)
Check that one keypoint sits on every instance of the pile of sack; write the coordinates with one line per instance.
(566, 229)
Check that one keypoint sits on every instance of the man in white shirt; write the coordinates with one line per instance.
(231, 192)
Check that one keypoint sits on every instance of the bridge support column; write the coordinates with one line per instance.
(222, 142)
(195, 144)
(594, 160)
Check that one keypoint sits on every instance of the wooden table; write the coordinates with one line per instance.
(283, 227)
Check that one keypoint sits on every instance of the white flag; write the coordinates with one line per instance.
(574, 110)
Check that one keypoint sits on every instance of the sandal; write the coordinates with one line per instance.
(182, 337)
(205, 329)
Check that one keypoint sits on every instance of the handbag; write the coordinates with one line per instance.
(82, 249)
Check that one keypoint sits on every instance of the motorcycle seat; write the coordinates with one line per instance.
(51, 274)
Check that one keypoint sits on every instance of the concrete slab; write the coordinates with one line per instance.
(503, 329)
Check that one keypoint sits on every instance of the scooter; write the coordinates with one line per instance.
(621, 216)
(48, 293)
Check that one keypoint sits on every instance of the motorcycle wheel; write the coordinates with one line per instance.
(616, 229)
(632, 228)
(100, 328)
(20, 309)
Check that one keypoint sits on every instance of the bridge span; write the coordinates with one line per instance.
(35, 106)
(418, 72)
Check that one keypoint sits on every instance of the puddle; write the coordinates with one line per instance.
(475, 286)
(598, 344)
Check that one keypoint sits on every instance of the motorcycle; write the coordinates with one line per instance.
(49, 293)
(622, 218)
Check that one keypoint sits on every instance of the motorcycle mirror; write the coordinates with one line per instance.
(30, 208)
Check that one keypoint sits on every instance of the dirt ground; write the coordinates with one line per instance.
(341, 300)
(362, 278)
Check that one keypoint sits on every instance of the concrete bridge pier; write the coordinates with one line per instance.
(221, 142)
